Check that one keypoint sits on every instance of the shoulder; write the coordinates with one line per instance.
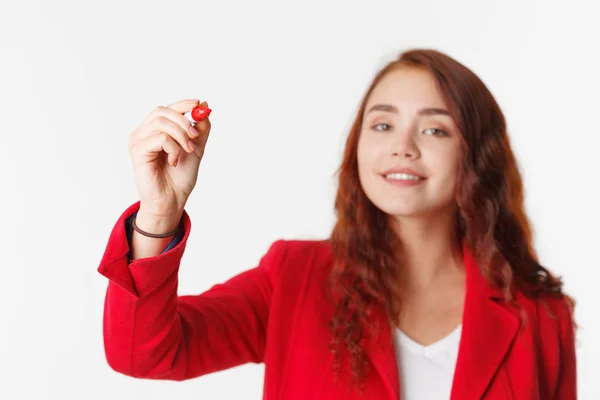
(300, 249)
(297, 255)
(557, 340)
(559, 313)
(299, 272)
(553, 316)
(549, 308)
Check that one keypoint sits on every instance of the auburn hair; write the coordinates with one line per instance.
(491, 218)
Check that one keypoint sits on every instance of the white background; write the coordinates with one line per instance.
(284, 80)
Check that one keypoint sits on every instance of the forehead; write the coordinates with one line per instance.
(407, 87)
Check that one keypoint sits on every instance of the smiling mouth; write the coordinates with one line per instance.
(403, 177)
(403, 180)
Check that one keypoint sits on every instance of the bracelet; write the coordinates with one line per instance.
(153, 235)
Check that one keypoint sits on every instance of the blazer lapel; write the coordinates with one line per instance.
(489, 329)
(383, 357)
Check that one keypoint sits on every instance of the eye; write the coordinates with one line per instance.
(381, 127)
(435, 132)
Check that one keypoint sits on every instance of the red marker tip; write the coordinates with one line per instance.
(200, 113)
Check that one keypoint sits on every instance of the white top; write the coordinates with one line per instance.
(426, 372)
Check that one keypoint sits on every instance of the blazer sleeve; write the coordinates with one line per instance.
(151, 332)
(566, 388)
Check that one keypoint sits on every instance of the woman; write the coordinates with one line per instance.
(428, 287)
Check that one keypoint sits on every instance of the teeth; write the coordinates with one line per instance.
(402, 177)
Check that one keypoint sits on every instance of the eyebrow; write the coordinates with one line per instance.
(422, 111)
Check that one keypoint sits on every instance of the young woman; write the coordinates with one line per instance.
(427, 288)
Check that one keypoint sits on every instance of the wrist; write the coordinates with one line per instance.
(157, 224)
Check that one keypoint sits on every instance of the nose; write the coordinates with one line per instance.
(404, 144)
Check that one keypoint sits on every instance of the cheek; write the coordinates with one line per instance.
(444, 163)
(367, 165)
(443, 159)
(364, 156)
(369, 151)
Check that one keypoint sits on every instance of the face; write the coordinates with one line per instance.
(409, 147)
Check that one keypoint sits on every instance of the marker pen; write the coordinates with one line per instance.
(197, 114)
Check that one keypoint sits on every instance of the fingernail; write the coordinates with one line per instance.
(194, 131)
(191, 145)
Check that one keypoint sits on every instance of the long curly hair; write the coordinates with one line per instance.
(491, 218)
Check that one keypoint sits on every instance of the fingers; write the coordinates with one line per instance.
(203, 128)
(174, 116)
(151, 146)
(175, 113)
(204, 133)
(161, 125)
(173, 128)
(183, 106)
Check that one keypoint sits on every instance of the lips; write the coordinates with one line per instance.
(408, 171)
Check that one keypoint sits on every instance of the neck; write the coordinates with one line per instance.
(430, 251)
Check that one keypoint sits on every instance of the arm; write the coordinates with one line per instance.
(174, 242)
(151, 332)
(566, 388)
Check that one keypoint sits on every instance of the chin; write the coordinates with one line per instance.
(411, 209)
(403, 210)
(406, 213)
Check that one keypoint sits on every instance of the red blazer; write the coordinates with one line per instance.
(277, 313)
